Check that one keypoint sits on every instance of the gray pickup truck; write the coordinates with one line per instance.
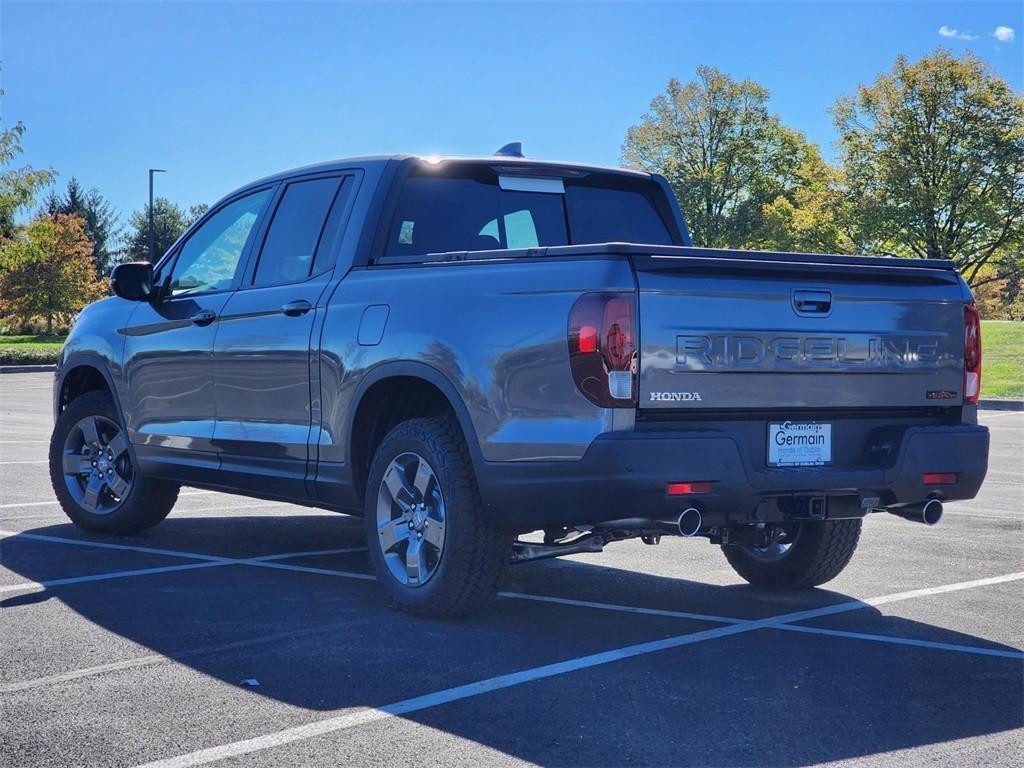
(467, 351)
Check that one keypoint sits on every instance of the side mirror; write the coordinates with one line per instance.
(133, 280)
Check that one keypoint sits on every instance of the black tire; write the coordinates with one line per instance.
(467, 570)
(820, 551)
(147, 500)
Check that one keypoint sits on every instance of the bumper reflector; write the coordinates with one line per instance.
(938, 478)
(688, 489)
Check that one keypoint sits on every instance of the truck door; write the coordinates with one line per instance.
(169, 341)
(262, 359)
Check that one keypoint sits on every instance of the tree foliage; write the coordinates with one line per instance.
(934, 152)
(723, 154)
(169, 222)
(100, 219)
(18, 186)
(47, 271)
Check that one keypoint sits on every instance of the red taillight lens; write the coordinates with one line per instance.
(938, 478)
(972, 354)
(602, 348)
(687, 489)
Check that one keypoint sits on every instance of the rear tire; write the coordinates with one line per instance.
(93, 472)
(818, 553)
(432, 548)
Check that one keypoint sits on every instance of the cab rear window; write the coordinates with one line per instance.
(442, 214)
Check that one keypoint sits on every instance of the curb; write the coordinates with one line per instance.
(1001, 405)
(27, 368)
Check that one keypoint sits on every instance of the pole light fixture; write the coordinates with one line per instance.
(152, 234)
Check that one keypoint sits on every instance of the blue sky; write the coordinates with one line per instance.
(220, 93)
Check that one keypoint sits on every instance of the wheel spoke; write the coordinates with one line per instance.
(90, 430)
(118, 485)
(76, 464)
(393, 532)
(434, 533)
(118, 445)
(414, 566)
(422, 480)
(394, 481)
(91, 497)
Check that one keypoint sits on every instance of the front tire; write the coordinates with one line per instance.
(93, 473)
(433, 551)
(811, 554)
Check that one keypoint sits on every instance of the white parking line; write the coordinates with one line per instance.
(975, 649)
(33, 461)
(999, 414)
(268, 561)
(159, 658)
(29, 585)
(178, 513)
(458, 693)
(20, 504)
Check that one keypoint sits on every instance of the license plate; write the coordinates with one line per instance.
(799, 444)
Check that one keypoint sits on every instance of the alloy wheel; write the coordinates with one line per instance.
(96, 465)
(411, 519)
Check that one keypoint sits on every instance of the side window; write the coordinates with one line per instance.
(291, 242)
(210, 258)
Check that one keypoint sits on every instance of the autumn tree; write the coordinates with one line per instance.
(724, 155)
(47, 271)
(934, 153)
(100, 219)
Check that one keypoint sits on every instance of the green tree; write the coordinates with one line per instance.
(97, 213)
(169, 222)
(18, 186)
(723, 154)
(196, 212)
(933, 154)
(47, 271)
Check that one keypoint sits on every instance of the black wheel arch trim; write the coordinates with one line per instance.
(75, 361)
(418, 370)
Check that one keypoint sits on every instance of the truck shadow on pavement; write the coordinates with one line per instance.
(325, 643)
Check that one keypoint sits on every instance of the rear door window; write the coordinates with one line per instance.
(291, 243)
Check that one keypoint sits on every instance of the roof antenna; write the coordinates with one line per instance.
(512, 149)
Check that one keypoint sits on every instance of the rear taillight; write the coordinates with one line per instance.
(972, 354)
(602, 348)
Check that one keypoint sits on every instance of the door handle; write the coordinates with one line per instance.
(203, 317)
(296, 308)
(812, 302)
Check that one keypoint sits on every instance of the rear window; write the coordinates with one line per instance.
(602, 215)
(473, 213)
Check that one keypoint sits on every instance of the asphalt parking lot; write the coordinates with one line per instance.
(243, 632)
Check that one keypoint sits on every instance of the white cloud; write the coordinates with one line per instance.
(956, 34)
(1003, 34)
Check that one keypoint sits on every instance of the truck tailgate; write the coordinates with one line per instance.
(740, 330)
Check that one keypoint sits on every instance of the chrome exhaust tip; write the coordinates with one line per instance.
(928, 512)
(689, 522)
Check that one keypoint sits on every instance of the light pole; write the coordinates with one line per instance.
(152, 234)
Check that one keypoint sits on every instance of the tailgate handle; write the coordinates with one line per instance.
(812, 302)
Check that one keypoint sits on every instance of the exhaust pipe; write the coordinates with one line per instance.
(689, 522)
(927, 512)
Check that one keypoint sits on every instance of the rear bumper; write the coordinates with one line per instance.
(624, 474)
